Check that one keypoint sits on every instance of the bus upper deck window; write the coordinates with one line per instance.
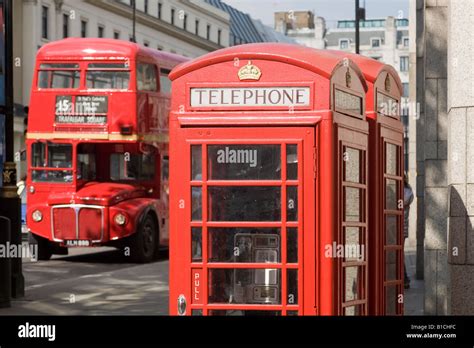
(108, 76)
(165, 82)
(146, 77)
(58, 75)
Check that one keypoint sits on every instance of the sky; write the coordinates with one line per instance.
(331, 10)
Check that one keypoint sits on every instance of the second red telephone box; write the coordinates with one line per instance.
(385, 186)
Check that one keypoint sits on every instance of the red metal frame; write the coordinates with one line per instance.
(251, 136)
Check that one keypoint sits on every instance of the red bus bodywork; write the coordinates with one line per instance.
(238, 243)
(97, 144)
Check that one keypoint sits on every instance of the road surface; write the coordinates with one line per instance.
(95, 281)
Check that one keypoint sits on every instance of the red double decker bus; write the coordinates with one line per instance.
(98, 147)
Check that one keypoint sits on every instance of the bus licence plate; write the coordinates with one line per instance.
(77, 243)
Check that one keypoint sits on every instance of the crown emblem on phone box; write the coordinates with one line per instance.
(249, 72)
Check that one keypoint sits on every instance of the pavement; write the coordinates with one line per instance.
(101, 281)
(414, 296)
(96, 281)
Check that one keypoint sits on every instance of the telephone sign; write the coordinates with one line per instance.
(250, 96)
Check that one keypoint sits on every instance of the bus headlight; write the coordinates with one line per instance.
(37, 216)
(120, 219)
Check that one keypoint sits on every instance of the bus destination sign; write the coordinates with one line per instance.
(81, 109)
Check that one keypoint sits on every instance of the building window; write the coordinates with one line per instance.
(159, 10)
(185, 22)
(375, 42)
(401, 22)
(172, 16)
(146, 6)
(406, 42)
(65, 25)
(344, 44)
(403, 63)
(116, 35)
(406, 89)
(219, 35)
(83, 28)
(196, 28)
(44, 22)
(100, 31)
(208, 32)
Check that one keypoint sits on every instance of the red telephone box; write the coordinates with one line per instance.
(268, 184)
(386, 258)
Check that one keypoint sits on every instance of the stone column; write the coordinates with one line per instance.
(319, 32)
(390, 44)
(415, 134)
(461, 156)
(432, 156)
(58, 20)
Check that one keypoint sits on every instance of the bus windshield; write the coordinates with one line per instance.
(51, 162)
(108, 76)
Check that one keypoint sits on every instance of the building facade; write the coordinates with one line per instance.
(244, 29)
(186, 27)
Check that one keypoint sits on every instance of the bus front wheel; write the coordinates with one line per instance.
(143, 243)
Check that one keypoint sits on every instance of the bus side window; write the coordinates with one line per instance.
(165, 82)
(140, 77)
(165, 172)
(146, 77)
(133, 167)
(86, 162)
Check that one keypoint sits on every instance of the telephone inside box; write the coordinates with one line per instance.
(257, 285)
